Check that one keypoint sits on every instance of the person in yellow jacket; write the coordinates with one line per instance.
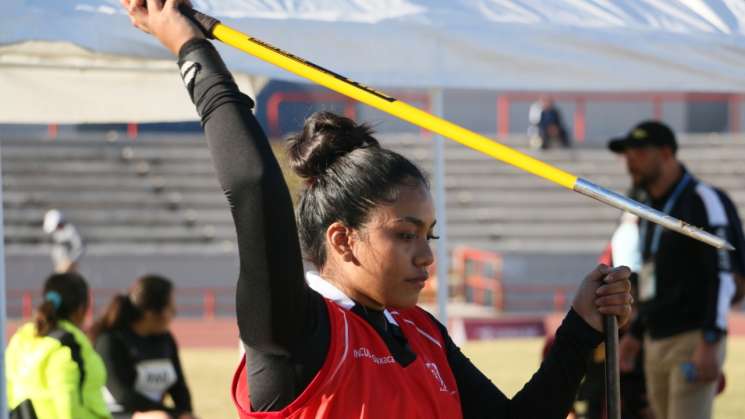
(52, 370)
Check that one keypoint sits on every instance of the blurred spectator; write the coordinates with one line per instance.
(546, 125)
(685, 286)
(67, 245)
(534, 117)
(141, 354)
(52, 370)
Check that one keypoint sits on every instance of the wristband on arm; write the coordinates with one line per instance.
(202, 69)
(198, 59)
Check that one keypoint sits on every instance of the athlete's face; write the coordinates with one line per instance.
(392, 250)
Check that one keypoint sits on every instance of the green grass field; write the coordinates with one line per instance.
(509, 364)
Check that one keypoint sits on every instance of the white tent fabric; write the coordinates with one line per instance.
(58, 82)
(618, 45)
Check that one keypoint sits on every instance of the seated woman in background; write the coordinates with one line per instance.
(52, 370)
(140, 353)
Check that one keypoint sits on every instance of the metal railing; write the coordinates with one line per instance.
(581, 99)
(206, 303)
(350, 105)
(213, 302)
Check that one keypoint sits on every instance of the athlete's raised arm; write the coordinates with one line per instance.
(271, 293)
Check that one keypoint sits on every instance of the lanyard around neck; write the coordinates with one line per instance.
(669, 204)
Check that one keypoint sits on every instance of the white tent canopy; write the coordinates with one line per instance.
(587, 45)
(62, 83)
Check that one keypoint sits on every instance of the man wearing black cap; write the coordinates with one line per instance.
(685, 286)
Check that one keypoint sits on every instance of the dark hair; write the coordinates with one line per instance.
(63, 295)
(148, 293)
(347, 174)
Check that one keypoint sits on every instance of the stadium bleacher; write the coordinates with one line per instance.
(160, 192)
(157, 192)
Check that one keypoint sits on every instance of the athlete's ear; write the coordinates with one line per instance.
(339, 238)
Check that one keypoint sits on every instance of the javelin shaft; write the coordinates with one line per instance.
(392, 106)
(406, 112)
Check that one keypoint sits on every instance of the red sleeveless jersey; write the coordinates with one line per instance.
(361, 379)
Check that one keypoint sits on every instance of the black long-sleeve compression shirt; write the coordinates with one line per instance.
(283, 323)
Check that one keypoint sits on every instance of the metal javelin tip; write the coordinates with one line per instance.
(587, 188)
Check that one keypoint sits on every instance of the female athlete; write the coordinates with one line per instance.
(348, 341)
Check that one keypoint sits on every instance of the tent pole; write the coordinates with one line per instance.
(438, 167)
(3, 311)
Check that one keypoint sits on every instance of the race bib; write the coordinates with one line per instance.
(647, 282)
(154, 377)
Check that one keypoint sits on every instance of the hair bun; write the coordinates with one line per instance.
(326, 137)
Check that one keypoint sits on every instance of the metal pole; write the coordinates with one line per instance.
(612, 373)
(3, 310)
(443, 259)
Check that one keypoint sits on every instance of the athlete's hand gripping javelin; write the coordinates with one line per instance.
(605, 291)
(163, 20)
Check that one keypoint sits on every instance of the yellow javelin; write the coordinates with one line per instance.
(319, 75)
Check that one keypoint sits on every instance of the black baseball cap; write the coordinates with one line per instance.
(645, 134)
